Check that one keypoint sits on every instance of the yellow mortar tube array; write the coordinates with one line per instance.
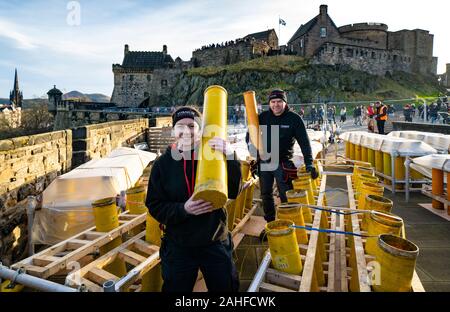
(252, 120)
(358, 152)
(379, 161)
(381, 223)
(211, 176)
(300, 197)
(107, 219)
(375, 203)
(283, 246)
(368, 188)
(347, 149)
(364, 178)
(152, 280)
(371, 157)
(352, 151)
(400, 171)
(437, 187)
(359, 170)
(230, 206)
(294, 213)
(397, 258)
(4, 287)
(387, 167)
(364, 153)
(305, 185)
(241, 199)
(135, 204)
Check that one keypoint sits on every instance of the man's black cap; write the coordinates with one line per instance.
(278, 94)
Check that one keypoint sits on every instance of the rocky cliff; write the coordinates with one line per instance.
(304, 82)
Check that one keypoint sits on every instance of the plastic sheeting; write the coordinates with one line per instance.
(66, 207)
(439, 141)
(389, 144)
(437, 161)
(238, 136)
(426, 164)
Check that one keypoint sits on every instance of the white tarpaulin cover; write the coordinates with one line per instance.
(425, 164)
(237, 135)
(389, 144)
(66, 206)
(439, 141)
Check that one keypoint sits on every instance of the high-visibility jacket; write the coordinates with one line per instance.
(382, 112)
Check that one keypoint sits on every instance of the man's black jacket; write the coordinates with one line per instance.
(291, 127)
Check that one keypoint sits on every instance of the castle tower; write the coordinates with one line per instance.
(16, 96)
(54, 98)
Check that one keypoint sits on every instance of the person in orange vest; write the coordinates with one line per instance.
(380, 116)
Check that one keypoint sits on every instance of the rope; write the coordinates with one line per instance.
(332, 231)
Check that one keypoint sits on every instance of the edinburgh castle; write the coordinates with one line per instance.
(144, 77)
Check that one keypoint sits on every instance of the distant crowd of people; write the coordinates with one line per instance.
(223, 44)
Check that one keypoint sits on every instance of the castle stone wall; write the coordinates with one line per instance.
(27, 166)
(96, 141)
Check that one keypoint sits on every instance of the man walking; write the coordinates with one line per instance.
(290, 128)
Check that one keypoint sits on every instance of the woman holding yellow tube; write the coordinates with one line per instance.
(196, 236)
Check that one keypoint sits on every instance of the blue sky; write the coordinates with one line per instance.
(36, 37)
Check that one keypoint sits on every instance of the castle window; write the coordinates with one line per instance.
(340, 50)
(323, 32)
(163, 83)
(301, 43)
(374, 55)
(123, 77)
(131, 77)
(349, 53)
(146, 95)
(149, 77)
(395, 57)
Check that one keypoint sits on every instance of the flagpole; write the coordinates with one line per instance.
(279, 29)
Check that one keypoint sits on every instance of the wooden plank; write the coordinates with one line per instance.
(286, 280)
(361, 265)
(43, 260)
(83, 249)
(342, 269)
(131, 257)
(416, 284)
(334, 252)
(100, 276)
(308, 268)
(265, 287)
(254, 226)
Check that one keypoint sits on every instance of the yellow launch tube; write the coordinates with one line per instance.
(397, 258)
(152, 281)
(107, 219)
(283, 247)
(252, 120)
(211, 176)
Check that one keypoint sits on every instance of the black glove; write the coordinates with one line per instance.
(313, 171)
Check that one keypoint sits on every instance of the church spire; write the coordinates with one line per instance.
(16, 97)
(16, 82)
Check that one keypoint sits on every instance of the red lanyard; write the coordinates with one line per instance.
(190, 186)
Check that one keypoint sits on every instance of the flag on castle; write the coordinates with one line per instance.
(281, 22)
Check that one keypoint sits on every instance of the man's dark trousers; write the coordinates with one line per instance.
(266, 179)
(380, 126)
